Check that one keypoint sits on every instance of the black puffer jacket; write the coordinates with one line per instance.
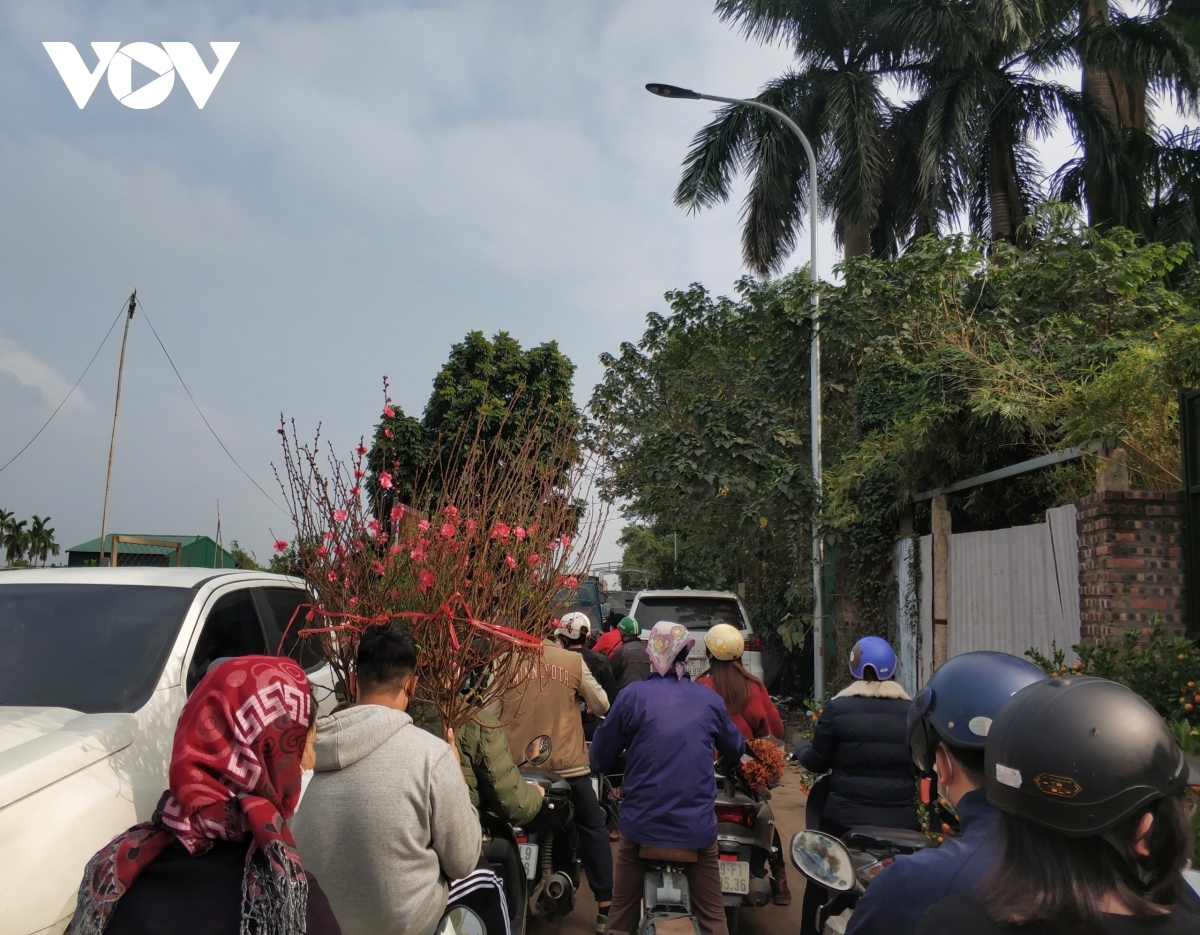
(861, 737)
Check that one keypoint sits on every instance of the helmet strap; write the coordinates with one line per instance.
(1146, 879)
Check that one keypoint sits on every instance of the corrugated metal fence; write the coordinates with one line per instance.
(1010, 589)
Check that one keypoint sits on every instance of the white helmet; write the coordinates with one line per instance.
(725, 642)
(573, 626)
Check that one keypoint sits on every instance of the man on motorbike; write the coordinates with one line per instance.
(860, 737)
(545, 701)
(948, 725)
(629, 662)
(572, 634)
(668, 728)
(753, 712)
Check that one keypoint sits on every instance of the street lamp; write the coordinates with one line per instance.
(814, 364)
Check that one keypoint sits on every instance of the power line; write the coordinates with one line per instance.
(72, 389)
(142, 306)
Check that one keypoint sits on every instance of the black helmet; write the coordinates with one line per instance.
(1078, 755)
(961, 699)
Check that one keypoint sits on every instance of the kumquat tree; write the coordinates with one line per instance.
(472, 563)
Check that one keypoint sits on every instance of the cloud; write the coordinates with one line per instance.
(31, 372)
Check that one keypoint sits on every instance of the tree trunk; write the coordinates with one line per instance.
(1122, 99)
(1004, 193)
(856, 240)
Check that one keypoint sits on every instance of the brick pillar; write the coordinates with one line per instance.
(1130, 562)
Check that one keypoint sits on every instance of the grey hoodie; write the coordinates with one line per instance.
(385, 821)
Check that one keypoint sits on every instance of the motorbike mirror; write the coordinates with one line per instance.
(461, 921)
(823, 858)
(538, 750)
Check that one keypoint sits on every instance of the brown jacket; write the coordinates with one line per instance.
(546, 701)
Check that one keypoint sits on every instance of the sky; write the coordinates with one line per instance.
(367, 183)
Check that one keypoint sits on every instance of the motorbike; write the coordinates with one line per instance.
(501, 850)
(845, 867)
(548, 845)
(745, 837)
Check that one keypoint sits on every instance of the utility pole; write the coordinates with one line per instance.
(116, 411)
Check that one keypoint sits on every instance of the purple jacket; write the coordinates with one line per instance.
(667, 728)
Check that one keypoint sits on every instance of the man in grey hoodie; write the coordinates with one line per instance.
(387, 820)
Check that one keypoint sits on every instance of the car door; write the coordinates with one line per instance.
(232, 627)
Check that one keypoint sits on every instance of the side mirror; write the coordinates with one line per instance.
(823, 858)
(605, 609)
(461, 921)
(538, 751)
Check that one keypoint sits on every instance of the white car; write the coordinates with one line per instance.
(95, 665)
(699, 611)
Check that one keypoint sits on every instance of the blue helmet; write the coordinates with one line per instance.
(960, 700)
(875, 652)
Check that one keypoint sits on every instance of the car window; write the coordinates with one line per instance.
(94, 648)
(695, 613)
(232, 628)
(282, 604)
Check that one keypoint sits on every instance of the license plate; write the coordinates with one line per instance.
(529, 857)
(695, 667)
(735, 876)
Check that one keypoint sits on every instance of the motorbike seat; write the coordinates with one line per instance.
(870, 837)
(670, 855)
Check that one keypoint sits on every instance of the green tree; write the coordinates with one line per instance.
(16, 541)
(40, 544)
(493, 392)
(706, 425)
(835, 96)
(245, 559)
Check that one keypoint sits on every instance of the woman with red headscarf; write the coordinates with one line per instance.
(217, 858)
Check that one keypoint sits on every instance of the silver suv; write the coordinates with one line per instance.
(699, 611)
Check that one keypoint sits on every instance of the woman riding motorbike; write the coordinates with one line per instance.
(1096, 814)
(861, 736)
(754, 713)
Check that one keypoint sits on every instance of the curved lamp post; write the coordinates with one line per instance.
(814, 364)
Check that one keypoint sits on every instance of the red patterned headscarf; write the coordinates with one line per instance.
(235, 772)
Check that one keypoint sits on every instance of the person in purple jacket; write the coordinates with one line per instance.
(668, 728)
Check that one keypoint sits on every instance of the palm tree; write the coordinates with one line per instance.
(16, 541)
(974, 66)
(41, 544)
(5, 518)
(835, 96)
(1124, 58)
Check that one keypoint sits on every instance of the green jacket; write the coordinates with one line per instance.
(492, 777)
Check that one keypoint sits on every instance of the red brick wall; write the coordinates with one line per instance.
(1130, 562)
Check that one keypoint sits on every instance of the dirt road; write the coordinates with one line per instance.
(787, 802)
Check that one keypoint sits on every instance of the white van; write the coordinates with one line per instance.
(699, 611)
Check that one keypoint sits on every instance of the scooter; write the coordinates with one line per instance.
(745, 837)
(502, 852)
(845, 867)
(548, 845)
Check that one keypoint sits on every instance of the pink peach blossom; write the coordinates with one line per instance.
(425, 580)
(424, 525)
(360, 473)
(534, 559)
(355, 491)
(571, 582)
(396, 549)
(377, 567)
(501, 530)
(281, 545)
(385, 480)
(332, 576)
(339, 516)
(451, 513)
(389, 412)
(388, 433)
(448, 530)
(322, 551)
(360, 450)
(397, 513)
(519, 532)
(510, 561)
